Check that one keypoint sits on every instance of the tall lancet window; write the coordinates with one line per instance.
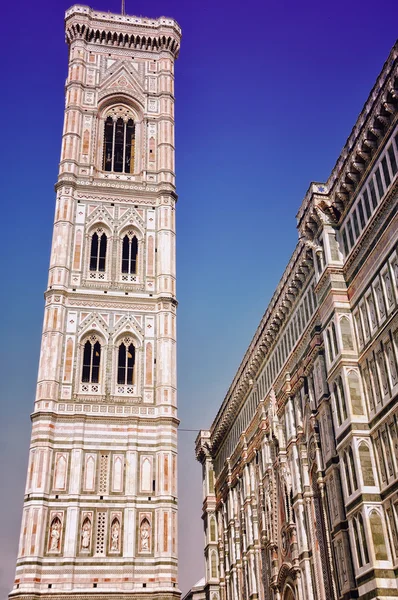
(129, 254)
(91, 361)
(119, 145)
(98, 251)
(126, 361)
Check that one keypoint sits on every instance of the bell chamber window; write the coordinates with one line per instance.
(99, 243)
(129, 254)
(125, 363)
(119, 141)
(91, 360)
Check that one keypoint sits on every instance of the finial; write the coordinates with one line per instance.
(123, 8)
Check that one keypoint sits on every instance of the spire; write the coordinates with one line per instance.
(123, 7)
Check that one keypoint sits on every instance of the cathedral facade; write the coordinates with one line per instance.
(100, 507)
(300, 466)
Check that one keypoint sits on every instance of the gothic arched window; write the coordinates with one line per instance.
(91, 361)
(337, 402)
(129, 253)
(353, 471)
(342, 398)
(125, 363)
(119, 145)
(98, 251)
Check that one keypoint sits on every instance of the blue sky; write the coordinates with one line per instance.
(266, 93)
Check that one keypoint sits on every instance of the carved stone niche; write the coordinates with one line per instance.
(145, 533)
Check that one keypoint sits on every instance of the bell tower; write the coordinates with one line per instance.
(100, 511)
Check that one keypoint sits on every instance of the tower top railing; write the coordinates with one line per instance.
(114, 29)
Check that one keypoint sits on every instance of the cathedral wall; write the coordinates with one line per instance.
(300, 464)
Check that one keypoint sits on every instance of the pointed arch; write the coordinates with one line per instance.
(129, 262)
(355, 393)
(60, 472)
(91, 360)
(366, 464)
(378, 537)
(346, 334)
(126, 354)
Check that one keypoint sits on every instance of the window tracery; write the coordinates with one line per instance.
(98, 248)
(129, 262)
(91, 360)
(126, 366)
(119, 141)
(91, 365)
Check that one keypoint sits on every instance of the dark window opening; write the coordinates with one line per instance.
(393, 160)
(368, 210)
(98, 252)
(387, 177)
(373, 193)
(125, 366)
(119, 145)
(379, 183)
(129, 255)
(361, 214)
(355, 222)
(350, 233)
(353, 471)
(91, 362)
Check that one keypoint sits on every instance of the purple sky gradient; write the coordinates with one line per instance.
(267, 93)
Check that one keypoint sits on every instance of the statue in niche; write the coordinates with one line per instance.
(115, 532)
(145, 531)
(286, 476)
(55, 534)
(86, 534)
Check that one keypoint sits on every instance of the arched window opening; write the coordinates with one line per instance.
(357, 542)
(119, 145)
(129, 253)
(353, 471)
(330, 348)
(363, 538)
(347, 475)
(126, 361)
(98, 251)
(337, 403)
(91, 361)
(342, 398)
(334, 337)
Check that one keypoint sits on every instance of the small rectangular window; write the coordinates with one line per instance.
(355, 222)
(350, 233)
(373, 192)
(393, 160)
(386, 173)
(379, 183)
(361, 215)
(367, 204)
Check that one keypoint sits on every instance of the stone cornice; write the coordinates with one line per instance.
(375, 121)
(138, 33)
